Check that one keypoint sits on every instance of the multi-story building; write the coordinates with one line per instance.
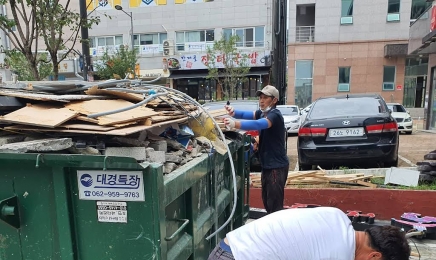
(422, 44)
(346, 46)
(188, 27)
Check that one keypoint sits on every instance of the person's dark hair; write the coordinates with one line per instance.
(390, 241)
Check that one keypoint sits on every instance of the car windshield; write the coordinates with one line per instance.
(288, 111)
(327, 108)
(397, 108)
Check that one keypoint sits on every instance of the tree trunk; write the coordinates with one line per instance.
(54, 60)
(33, 65)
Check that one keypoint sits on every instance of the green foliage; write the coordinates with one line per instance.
(232, 73)
(32, 23)
(121, 63)
(18, 63)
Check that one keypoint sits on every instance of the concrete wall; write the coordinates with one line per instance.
(366, 60)
(418, 30)
(173, 17)
(369, 21)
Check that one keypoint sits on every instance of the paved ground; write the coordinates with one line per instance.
(412, 148)
(425, 247)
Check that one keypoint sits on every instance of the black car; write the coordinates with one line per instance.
(348, 129)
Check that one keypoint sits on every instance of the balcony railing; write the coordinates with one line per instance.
(305, 34)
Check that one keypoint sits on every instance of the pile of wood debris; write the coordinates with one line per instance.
(62, 117)
(318, 179)
(46, 112)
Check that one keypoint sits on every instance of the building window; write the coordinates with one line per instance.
(347, 12)
(389, 78)
(106, 41)
(248, 37)
(199, 38)
(149, 39)
(344, 79)
(393, 11)
(418, 8)
(303, 82)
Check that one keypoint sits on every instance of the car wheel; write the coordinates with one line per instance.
(304, 167)
(409, 133)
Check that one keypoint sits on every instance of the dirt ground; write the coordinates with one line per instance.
(412, 148)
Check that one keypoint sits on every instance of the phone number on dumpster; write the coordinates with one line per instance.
(110, 185)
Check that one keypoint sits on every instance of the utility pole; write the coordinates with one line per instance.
(279, 57)
(85, 39)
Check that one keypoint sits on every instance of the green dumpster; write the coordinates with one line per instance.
(56, 206)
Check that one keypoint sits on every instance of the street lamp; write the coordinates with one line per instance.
(120, 8)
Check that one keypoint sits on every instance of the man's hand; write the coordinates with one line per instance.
(230, 123)
(230, 110)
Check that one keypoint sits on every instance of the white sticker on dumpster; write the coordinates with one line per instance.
(111, 185)
(112, 211)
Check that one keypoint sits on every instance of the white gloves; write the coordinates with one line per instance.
(230, 110)
(230, 123)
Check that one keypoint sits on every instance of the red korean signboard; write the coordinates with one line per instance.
(433, 18)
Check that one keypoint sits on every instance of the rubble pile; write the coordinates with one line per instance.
(101, 120)
(427, 168)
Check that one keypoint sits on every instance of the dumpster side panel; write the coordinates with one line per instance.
(135, 239)
(10, 246)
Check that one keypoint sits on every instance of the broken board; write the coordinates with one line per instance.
(88, 127)
(117, 132)
(47, 97)
(39, 115)
(98, 106)
(123, 95)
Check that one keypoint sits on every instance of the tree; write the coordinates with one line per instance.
(121, 63)
(48, 20)
(227, 65)
(18, 64)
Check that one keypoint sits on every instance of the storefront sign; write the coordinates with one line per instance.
(199, 61)
(433, 18)
(399, 87)
(154, 73)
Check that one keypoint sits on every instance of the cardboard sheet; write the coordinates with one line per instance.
(117, 132)
(40, 115)
(97, 106)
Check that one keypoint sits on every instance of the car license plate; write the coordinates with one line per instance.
(346, 132)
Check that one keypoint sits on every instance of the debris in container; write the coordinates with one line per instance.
(110, 118)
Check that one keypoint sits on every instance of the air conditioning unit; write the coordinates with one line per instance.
(168, 47)
(347, 20)
(388, 86)
(343, 87)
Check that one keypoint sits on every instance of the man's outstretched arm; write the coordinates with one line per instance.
(258, 125)
(239, 114)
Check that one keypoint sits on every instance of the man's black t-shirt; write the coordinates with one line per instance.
(272, 151)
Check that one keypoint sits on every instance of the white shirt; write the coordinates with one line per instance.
(321, 233)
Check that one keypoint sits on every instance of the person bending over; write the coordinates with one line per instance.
(322, 233)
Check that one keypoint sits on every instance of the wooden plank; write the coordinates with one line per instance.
(87, 119)
(157, 119)
(39, 115)
(361, 178)
(367, 184)
(87, 127)
(95, 121)
(47, 97)
(97, 106)
(126, 96)
(116, 132)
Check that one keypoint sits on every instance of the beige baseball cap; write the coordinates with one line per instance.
(269, 91)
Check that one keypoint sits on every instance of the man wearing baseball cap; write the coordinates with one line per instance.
(272, 151)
